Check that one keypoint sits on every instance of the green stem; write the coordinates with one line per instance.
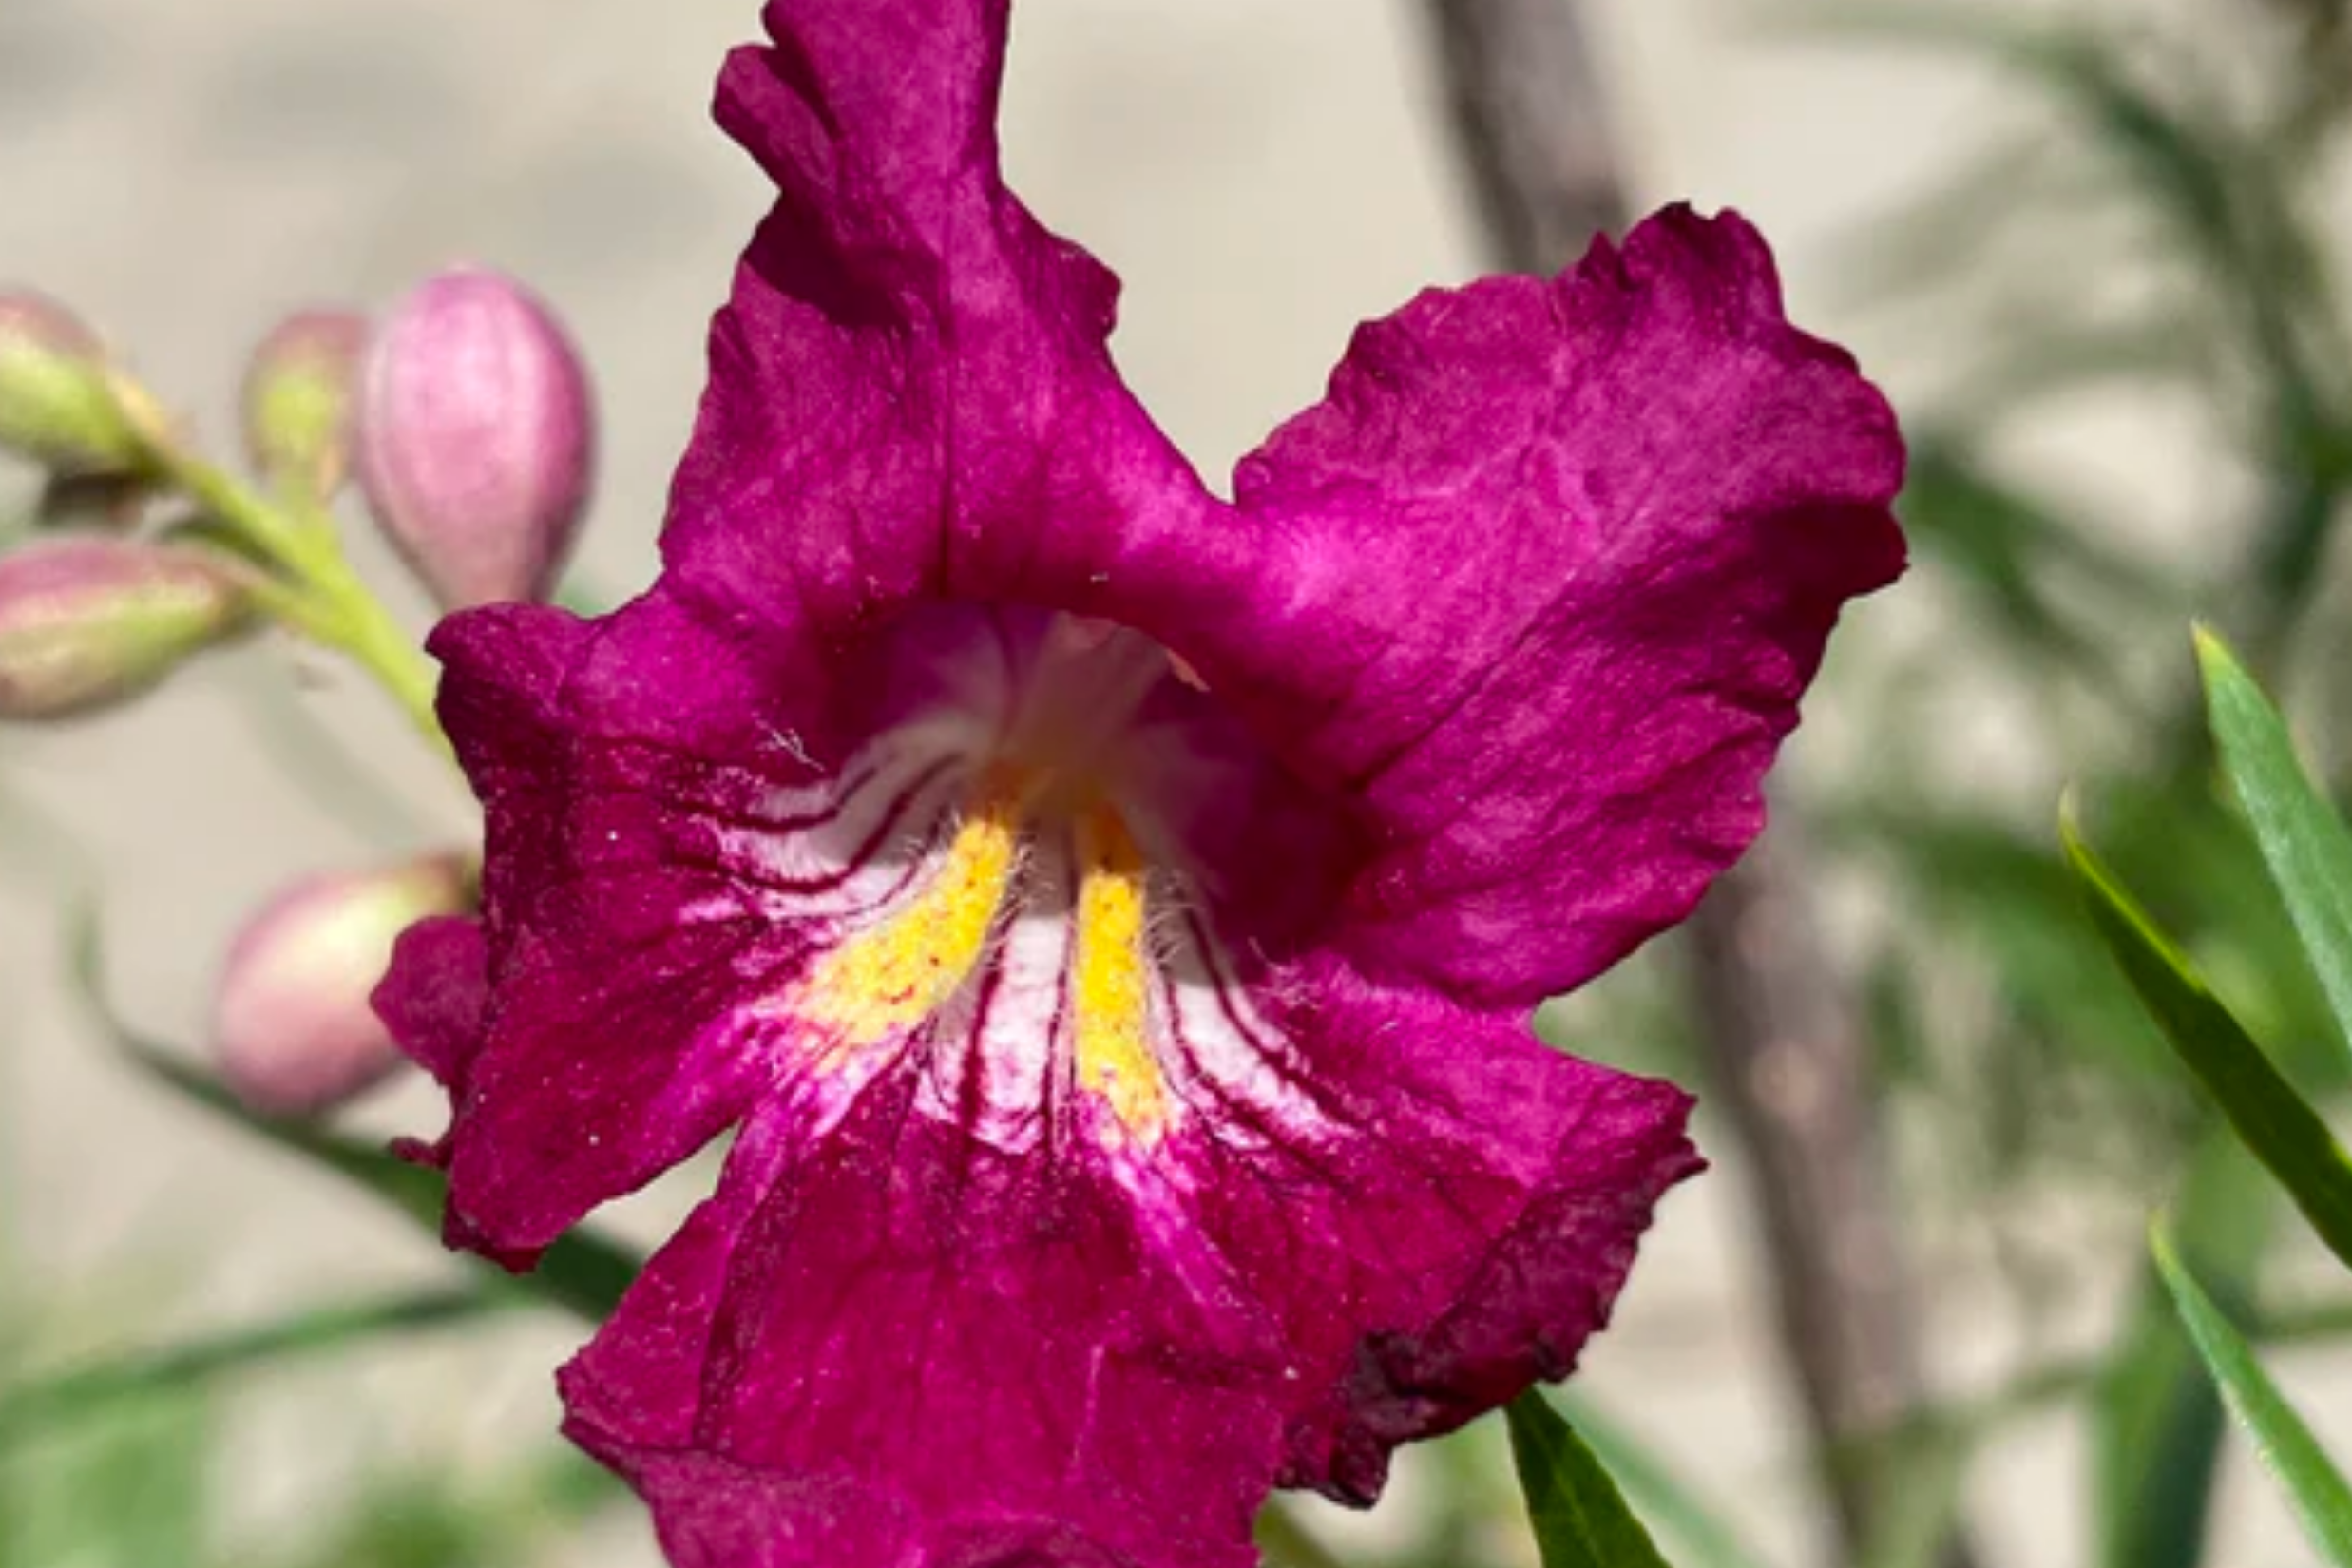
(266, 528)
(379, 645)
(323, 598)
(25, 1408)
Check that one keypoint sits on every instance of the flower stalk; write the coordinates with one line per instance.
(312, 588)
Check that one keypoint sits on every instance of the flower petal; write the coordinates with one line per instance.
(910, 392)
(433, 997)
(1552, 566)
(1452, 1223)
(888, 1340)
(616, 935)
(902, 1339)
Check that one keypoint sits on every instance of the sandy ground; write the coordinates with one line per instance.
(1264, 175)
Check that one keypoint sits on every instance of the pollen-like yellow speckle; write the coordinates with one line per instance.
(888, 979)
(1110, 979)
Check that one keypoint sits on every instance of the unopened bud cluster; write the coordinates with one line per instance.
(466, 416)
(466, 413)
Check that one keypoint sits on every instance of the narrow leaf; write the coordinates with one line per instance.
(2157, 1424)
(2317, 1491)
(1686, 1517)
(1581, 1519)
(1919, 1489)
(2272, 1119)
(35, 1404)
(582, 1272)
(2303, 840)
(2157, 1442)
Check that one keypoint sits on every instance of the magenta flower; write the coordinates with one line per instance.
(1135, 1109)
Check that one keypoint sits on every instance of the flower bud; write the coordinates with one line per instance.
(293, 1031)
(476, 437)
(297, 398)
(86, 622)
(60, 404)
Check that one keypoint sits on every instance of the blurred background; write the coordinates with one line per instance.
(2095, 253)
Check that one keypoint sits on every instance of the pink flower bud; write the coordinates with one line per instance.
(293, 1031)
(299, 393)
(86, 622)
(30, 317)
(476, 437)
(60, 405)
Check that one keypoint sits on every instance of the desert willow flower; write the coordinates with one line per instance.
(1135, 1106)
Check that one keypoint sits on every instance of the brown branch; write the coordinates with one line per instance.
(1789, 1056)
(1531, 126)
(1781, 1031)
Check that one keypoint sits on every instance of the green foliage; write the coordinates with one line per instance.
(2303, 840)
(2157, 1423)
(1581, 1519)
(2023, 562)
(40, 1405)
(429, 1520)
(2277, 1124)
(2309, 858)
(2167, 232)
(1922, 1480)
(129, 1490)
(582, 1272)
(1662, 1494)
(2320, 1496)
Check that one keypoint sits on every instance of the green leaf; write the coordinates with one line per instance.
(445, 1518)
(2272, 1119)
(2317, 1489)
(2157, 1423)
(1669, 1498)
(1990, 537)
(1581, 1519)
(2038, 570)
(38, 1405)
(2157, 1445)
(1918, 1487)
(582, 1272)
(131, 1491)
(2303, 840)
